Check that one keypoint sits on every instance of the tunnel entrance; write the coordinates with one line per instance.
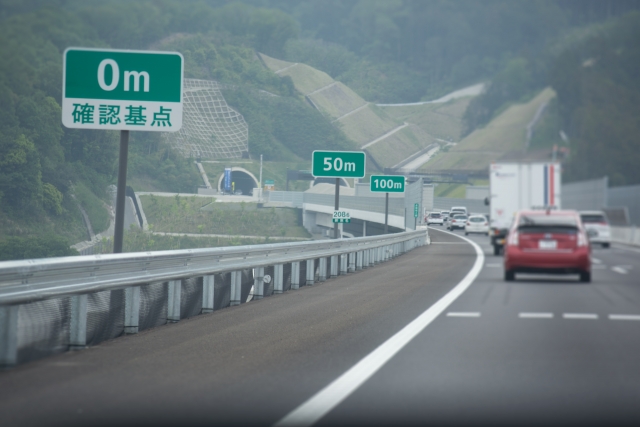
(243, 180)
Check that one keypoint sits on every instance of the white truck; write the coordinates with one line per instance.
(519, 186)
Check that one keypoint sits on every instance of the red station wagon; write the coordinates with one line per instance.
(547, 242)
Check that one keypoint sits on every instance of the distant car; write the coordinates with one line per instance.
(550, 242)
(445, 215)
(597, 226)
(477, 224)
(238, 193)
(458, 221)
(459, 209)
(435, 218)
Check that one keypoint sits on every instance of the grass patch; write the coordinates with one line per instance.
(504, 134)
(450, 190)
(402, 144)
(307, 79)
(136, 240)
(199, 215)
(367, 124)
(94, 206)
(443, 121)
(337, 100)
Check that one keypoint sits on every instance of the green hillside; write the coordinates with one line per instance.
(505, 134)
(365, 123)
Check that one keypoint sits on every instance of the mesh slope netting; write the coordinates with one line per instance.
(210, 128)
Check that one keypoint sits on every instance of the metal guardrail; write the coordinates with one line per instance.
(27, 281)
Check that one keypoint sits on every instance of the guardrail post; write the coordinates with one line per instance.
(236, 288)
(78, 327)
(8, 335)
(365, 258)
(352, 262)
(311, 271)
(173, 308)
(334, 266)
(278, 278)
(343, 264)
(258, 283)
(295, 275)
(359, 260)
(131, 309)
(208, 294)
(323, 270)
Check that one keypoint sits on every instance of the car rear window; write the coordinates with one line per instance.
(593, 218)
(476, 219)
(459, 217)
(434, 215)
(556, 224)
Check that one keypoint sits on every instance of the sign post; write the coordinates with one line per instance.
(338, 164)
(122, 90)
(386, 184)
(416, 211)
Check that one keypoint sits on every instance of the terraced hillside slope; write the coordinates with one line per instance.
(388, 134)
(504, 137)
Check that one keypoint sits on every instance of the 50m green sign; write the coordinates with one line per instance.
(338, 164)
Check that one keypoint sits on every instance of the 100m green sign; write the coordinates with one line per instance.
(387, 183)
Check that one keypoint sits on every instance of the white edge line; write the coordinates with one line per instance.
(579, 316)
(624, 317)
(535, 315)
(328, 398)
(462, 314)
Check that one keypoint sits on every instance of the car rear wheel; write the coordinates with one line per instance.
(585, 277)
(509, 276)
(605, 245)
(496, 250)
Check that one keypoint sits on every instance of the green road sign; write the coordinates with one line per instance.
(386, 183)
(338, 164)
(341, 216)
(269, 182)
(122, 90)
(416, 209)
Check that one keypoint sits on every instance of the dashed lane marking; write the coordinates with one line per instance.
(591, 316)
(595, 260)
(624, 317)
(619, 269)
(463, 314)
(535, 315)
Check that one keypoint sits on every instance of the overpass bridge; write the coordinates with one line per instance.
(431, 335)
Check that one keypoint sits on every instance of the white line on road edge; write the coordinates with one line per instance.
(579, 316)
(535, 315)
(463, 314)
(328, 398)
(624, 317)
(595, 260)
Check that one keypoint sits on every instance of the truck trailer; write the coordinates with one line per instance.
(518, 186)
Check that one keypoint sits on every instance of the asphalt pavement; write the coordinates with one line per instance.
(541, 350)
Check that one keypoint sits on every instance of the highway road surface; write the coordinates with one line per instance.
(433, 337)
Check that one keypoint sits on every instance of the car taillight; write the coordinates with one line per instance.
(486, 223)
(468, 223)
(582, 240)
(513, 239)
